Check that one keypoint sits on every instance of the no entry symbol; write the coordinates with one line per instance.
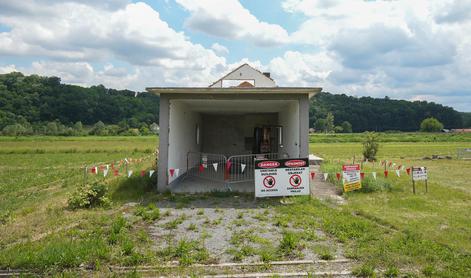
(269, 181)
(295, 180)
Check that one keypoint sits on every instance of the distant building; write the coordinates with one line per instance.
(214, 133)
(462, 130)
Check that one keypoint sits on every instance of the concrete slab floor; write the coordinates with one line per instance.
(199, 185)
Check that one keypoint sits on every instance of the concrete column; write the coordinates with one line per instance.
(304, 126)
(164, 115)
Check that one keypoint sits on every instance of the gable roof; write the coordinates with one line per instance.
(254, 74)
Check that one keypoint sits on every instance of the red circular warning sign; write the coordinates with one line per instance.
(269, 181)
(295, 180)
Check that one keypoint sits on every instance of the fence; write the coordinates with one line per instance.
(216, 167)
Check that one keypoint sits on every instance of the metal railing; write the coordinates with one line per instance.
(242, 166)
(206, 165)
(216, 167)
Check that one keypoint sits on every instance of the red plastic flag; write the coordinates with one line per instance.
(112, 166)
(201, 168)
(386, 173)
(313, 174)
(172, 171)
(390, 163)
(102, 168)
(93, 170)
(228, 164)
(362, 175)
(338, 176)
(143, 173)
(399, 167)
(408, 171)
(116, 172)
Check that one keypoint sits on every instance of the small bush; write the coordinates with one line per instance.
(370, 146)
(89, 195)
(288, 243)
(149, 213)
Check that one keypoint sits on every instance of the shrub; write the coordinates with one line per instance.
(89, 195)
(149, 213)
(431, 125)
(288, 243)
(370, 146)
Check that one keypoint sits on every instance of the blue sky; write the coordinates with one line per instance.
(413, 50)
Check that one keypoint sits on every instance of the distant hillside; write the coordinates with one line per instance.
(381, 114)
(33, 101)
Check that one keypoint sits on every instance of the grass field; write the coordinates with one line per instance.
(384, 226)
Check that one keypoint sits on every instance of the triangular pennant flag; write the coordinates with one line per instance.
(116, 172)
(129, 173)
(362, 175)
(126, 160)
(325, 176)
(112, 166)
(102, 168)
(176, 172)
(242, 167)
(402, 167)
(171, 171)
(151, 172)
(105, 172)
(374, 175)
(143, 173)
(408, 171)
(201, 169)
(398, 173)
(399, 167)
(215, 166)
(386, 173)
(228, 164)
(313, 174)
(390, 163)
(338, 176)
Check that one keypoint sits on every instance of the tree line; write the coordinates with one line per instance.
(43, 105)
(328, 111)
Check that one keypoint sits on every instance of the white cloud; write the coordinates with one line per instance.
(7, 69)
(220, 49)
(232, 20)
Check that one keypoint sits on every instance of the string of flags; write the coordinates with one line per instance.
(389, 167)
(116, 166)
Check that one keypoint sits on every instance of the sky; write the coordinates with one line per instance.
(413, 50)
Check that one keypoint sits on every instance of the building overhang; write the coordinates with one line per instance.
(311, 91)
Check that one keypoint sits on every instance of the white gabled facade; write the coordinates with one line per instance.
(245, 73)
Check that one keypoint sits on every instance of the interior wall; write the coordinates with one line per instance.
(182, 136)
(228, 134)
(289, 119)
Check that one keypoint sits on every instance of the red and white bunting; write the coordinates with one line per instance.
(143, 173)
(374, 175)
(326, 175)
(151, 172)
(177, 171)
(105, 172)
(313, 175)
(242, 167)
(171, 172)
(129, 173)
(398, 173)
(215, 166)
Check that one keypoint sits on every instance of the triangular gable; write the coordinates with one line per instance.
(243, 73)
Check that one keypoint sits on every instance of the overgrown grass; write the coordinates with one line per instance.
(391, 137)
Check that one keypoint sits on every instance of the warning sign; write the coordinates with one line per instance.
(419, 173)
(281, 177)
(351, 177)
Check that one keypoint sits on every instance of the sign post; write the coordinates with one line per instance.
(419, 174)
(351, 177)
(282, 177)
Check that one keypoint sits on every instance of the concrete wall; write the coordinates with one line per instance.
(225, 134)
(289, 119)
(182, 136)
(165, 144)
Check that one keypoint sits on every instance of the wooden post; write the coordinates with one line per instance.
(412, 177)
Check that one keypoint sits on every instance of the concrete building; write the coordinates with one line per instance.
(211, 135)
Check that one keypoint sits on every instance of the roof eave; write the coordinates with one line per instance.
(311, 91)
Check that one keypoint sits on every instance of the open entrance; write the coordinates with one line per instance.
(218, 140)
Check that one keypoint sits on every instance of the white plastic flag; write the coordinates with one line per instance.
(129, 173)
(126, 160)
(374, 175)
(105, 172)
(325, 176)
(151, 172)
(242, 167)
(402, 168)
(215, 166)
(176, 172)
(398, 173)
